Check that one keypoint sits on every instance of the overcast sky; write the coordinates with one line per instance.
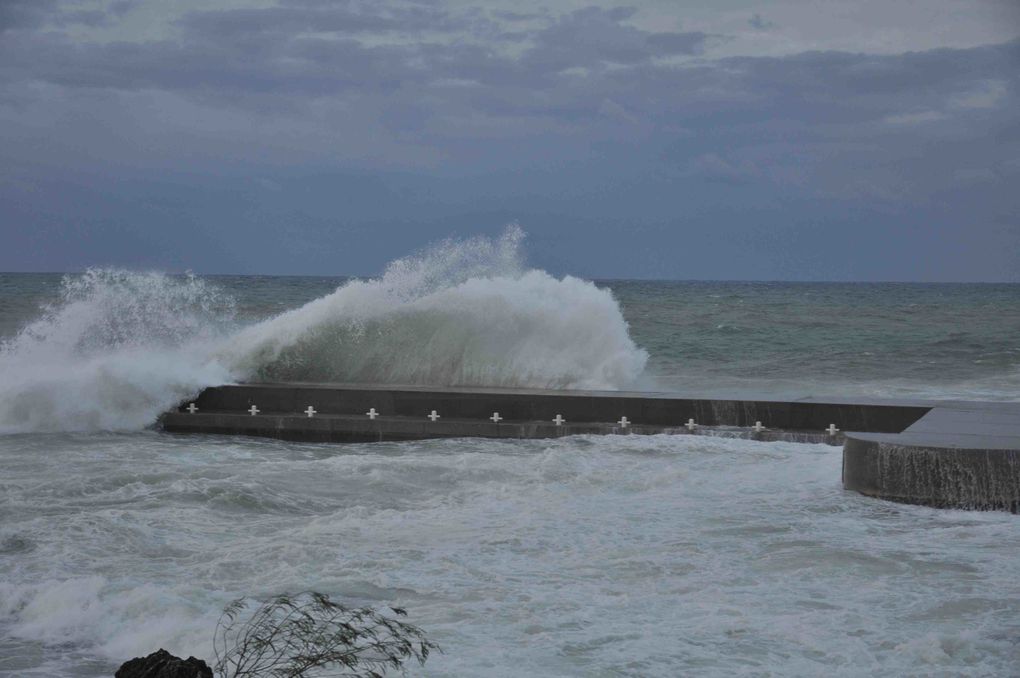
(791, 140)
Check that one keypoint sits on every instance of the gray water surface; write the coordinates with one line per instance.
(583, 556)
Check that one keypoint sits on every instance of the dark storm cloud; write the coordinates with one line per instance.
(24, 13)
(588, 77)
(668, 44)
(565, 70)
(241, 63)
(594, 37)
(225, 23)
(932, 71)
(756, 21)
(34, 14)
(301, 17)
(830, 87)
(644, 125)
(272, 48)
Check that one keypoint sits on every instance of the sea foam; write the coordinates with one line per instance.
(461, 313)
(121, 347)
(114, 351)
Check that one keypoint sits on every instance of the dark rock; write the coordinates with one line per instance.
(162, 664)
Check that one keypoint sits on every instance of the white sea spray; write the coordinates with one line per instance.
(120, 347)
(465, 313)
(117, 349)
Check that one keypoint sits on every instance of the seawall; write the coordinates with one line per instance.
(939, 453)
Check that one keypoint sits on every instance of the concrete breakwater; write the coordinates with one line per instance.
(960, 454)
(939, 453)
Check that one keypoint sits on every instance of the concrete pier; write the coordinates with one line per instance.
(938, 453)
(958, 455)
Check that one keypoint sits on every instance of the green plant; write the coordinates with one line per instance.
(310, 635)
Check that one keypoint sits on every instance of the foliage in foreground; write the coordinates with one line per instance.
(309, 635)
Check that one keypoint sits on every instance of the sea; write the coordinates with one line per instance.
(621, 555)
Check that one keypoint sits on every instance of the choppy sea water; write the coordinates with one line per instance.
(616, 555)
(620, 555)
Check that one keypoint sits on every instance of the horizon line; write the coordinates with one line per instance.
(575, 275)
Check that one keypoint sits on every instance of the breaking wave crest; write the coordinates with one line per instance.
(121, 347)
(462, 313)
(116, 350)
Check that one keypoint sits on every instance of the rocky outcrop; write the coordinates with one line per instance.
(162, 664)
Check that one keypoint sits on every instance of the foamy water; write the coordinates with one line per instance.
(462, 313)
(118, 348)
(112, 352)
(618, 555)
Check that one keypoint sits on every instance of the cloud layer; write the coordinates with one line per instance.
(531, 109)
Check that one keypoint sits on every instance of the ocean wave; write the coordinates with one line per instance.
(121, 347)
(117, 349)
(462, 313)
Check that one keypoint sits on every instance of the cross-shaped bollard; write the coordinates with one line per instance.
(433, 416)
(690, 424)
(623, 421)
(832, 430)
(372, 414)
(192, 409)
(496, 418)
(310, 412)
(558, 420)
(253, 410)
(758, 428)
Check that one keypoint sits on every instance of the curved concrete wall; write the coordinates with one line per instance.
(959, 455)
(944, 477)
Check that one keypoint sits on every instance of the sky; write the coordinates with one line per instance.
(733, 140)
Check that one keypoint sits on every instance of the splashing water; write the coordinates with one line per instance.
(121, 347)
(462, 313)
(117, 349)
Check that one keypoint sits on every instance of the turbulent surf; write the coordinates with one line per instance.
(121, 347)
(462, 313)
